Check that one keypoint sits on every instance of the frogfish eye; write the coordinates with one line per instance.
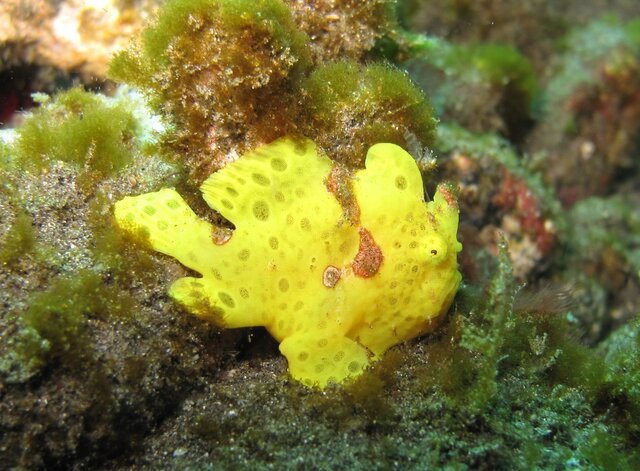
(435, 249)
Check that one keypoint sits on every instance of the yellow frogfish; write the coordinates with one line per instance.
(335, 293)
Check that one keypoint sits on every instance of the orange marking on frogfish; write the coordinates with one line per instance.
(448, 195)
(369, 257)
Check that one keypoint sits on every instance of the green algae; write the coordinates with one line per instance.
(605, 40)
(53, 328)
(80, 129)
(486, 335)
(5, 155)
(492, 64)
(466, 79)
(357, 106)
(622, 357)
(269, 17)
(610, 223)
(19, 239)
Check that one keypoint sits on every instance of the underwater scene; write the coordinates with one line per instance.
(319, 235)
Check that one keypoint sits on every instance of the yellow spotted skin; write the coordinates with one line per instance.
(335, 295)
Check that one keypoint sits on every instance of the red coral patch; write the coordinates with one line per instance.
(516, 195)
